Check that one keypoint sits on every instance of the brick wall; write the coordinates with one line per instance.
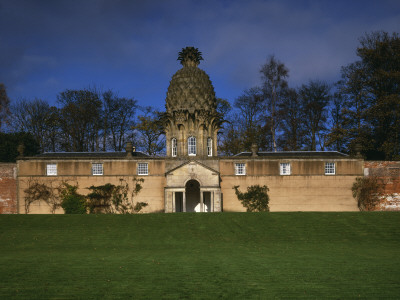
(389, 173)
(8, 188)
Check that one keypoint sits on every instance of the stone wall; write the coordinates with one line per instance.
(389, 173)
(77, 172)
(8, 188)
(152, 190)
(295, 193)
(306, 189)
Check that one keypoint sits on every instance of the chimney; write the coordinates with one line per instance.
(20, 149)
(254, 150)
(358, 148)
(129, 148)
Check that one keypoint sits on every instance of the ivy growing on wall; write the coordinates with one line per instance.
(110, 198)
(107, 198)
(72, 202)
(367, 191)
(38, 191)
(255, 199)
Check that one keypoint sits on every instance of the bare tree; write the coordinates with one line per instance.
(230, 141)
(80, 119)
(118, 120)
(315, 99)
(251, 118)
(274, 74)
(246, 124)
(150, 131)
(292, 122)
(4, 105)
(39, 119)
(337, 137)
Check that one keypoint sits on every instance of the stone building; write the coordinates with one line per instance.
(192, 177)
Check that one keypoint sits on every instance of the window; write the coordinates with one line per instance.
(97, 169)
(330, 168)
(51, 170)
(173, 147)
(209, 147)
(285, 168)
(240, 169)
(143, 169)
(192, 145)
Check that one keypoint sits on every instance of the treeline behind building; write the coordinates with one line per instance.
(83, 121)
(360, 112)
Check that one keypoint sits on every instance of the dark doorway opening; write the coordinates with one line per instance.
(192, 195)
(178, 201)
(207, 201)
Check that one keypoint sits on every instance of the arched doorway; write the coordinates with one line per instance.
(192, 189)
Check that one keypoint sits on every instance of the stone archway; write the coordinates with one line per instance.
(192, 189)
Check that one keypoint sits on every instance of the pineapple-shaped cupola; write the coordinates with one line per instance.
(190, 88)
(191, 119)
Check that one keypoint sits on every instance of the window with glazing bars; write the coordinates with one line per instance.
(143, 169)
(192, 145)
(51, 169)
(330, 168)
(240, 169)
(97, 169)
(174, 147)
(209, 147)
(285, 168)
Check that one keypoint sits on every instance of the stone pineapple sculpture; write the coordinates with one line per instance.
(191, 107)
(190, 88)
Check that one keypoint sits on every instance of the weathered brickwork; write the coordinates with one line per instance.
(389, 173)
(8, 188)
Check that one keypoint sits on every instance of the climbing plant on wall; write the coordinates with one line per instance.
(255, 199)
(39, 191)
(71, 201)
(367, 191)
(110, 198)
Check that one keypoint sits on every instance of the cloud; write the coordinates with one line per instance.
(133, 45)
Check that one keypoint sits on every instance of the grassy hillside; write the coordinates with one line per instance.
(226, 255)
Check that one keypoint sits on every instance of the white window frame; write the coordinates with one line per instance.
(143, 168)
(97, 169)
(191, 146)
(330, 168)
(51, 169)
(285, 169)
(209, 146)
(240, 169)
(174, 150)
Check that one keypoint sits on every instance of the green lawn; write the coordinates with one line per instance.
(221, 255)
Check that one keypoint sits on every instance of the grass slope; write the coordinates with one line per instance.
(226, 255)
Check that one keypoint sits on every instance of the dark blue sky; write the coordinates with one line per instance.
(132, 46)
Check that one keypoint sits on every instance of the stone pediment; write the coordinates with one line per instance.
(192, 163)
(189, 170)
